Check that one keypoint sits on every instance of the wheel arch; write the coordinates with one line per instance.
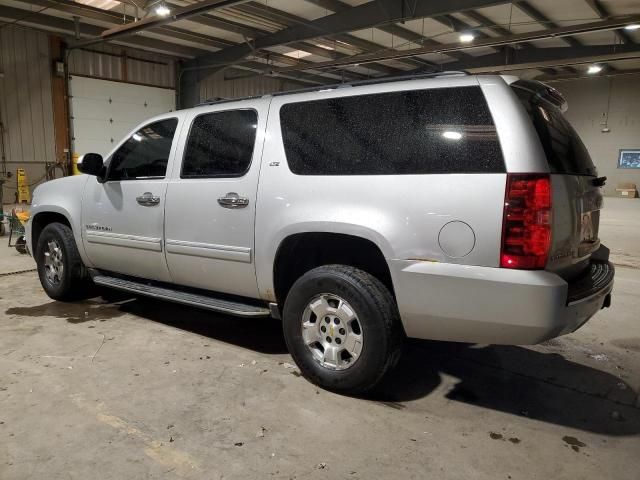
(300, 252)
(43, 218)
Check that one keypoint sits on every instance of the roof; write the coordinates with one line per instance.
(319, 42)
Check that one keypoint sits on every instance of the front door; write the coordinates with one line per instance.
(211, 200)
(123, 218)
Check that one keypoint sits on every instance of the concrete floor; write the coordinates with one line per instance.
(140, 389)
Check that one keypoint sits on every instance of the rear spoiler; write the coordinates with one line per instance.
(542, 92)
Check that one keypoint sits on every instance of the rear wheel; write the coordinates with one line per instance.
(62, 274)
(342, 328)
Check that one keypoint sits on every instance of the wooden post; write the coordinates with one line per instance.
(60, 104)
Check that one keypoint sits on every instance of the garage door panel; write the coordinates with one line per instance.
(90, 128)
(104, 112)
(123, 111)
(89, 109)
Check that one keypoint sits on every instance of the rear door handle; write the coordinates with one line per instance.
(233, 200)
(148, 199)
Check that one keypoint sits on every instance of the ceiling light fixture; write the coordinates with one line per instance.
(633, 26)
(451, 135)
(593, 69)
(466, 37)
(162, 10)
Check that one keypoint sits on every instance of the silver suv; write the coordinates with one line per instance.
(459, 208)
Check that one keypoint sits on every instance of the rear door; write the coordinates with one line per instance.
(211, 201)
(577, 197)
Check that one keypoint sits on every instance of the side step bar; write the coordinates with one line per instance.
(229, 307)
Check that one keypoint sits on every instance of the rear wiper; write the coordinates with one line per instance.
(599, 182)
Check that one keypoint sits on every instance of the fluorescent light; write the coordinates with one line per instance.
(162, 10)
(633, 26)
(451, 135)
(137, 137)
(297, 54)
(466, 37)
(593, 69)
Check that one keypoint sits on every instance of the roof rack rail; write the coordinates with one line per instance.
(332, 86)
(373, 81)
(217, 100)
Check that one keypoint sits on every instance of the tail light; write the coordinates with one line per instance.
(526, 229)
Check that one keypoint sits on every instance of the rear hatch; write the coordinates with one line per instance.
(576, 192)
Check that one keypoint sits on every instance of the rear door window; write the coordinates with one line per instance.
(444, 130)
(563, 148)
(220, 144)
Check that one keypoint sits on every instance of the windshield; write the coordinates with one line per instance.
(564, 150)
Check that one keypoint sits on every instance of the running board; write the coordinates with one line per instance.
(193, 299)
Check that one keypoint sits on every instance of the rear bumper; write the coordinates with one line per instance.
(491, 305)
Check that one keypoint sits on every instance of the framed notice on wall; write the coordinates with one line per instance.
(629, 158)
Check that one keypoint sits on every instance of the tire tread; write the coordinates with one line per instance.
(384, 302)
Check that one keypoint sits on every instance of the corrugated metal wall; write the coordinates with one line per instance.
(216, 86)
(106, 61)
(26, 110)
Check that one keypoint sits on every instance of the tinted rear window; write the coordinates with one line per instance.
(220, 144)
(445, 130)
(564, 150)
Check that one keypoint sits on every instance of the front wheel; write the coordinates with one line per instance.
(342, 328)
(62, 274)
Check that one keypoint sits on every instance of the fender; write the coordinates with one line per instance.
(268, 248)
(62, 196)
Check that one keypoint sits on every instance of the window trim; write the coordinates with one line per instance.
(188, 136)
(503, 162)
(110, 158)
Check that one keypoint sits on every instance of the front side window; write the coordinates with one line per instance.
(220, 144)
(443, 130)
(145, 154)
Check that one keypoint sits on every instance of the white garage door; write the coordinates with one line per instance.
(103, 112)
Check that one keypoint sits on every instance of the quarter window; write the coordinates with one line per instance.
(220, 144)
(443, 130)
(145, 154)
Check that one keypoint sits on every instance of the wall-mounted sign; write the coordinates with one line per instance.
(629, 159)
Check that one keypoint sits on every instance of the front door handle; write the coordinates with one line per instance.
(148, 199)
(233, 200)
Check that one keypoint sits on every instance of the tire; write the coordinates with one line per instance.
(21, 245)
(373, 341)
(68, 279)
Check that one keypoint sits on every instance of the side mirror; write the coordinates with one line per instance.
(92, 164)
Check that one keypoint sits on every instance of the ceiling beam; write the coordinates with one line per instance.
(539, 17)
(499, 30)
(181, 13)
(563, 78)
(367, 15)
(536, 58)
(336, 6)
(601, 25)
(117, 18)
(40, 20)
(109, 16)
(288, 20)
(263, 69)
(602, 12)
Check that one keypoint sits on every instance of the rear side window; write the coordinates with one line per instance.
(220, 144)
(445, 130)
(563, 148)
